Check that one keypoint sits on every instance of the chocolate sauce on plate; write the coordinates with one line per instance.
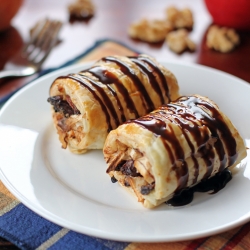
(215, 184)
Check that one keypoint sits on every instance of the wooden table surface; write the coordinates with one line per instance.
(111, 21)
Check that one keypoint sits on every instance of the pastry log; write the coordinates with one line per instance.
(173, 148)
(87, 105)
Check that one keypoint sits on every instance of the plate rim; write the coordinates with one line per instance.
(47, 215)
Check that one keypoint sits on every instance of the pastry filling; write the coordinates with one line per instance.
(66, 117)
(65, 106)
(128, 170)
(181, 197)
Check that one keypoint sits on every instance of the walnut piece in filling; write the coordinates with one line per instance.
(150, 30)
(132, 170)
(64, 110)
(66, 106)
(222, 39)
(178, 41)
(180, 18)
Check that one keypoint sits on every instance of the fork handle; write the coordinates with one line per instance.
(14, 73)
(5, 74)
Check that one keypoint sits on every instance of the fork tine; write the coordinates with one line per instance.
(45, 33)
(44, 41)
(43, 37)
(35, 33)
(49, 42)
(51, 36)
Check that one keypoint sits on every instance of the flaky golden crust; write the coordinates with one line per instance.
(113, 90)
(164, 143)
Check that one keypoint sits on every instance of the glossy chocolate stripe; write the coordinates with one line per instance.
(211, 122)
(131, 74)
(93, 91)
(182, 116)
(217, 127)
(224, 133)
(215, 123)
(108, 78)
(151, 77)
(105, 98)
(186, 128)
(160, 74)
(185, 112)
(185, 124)
(157, 126)
(181, 169)
(101, 75)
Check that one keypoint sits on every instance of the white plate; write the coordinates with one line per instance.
(75, 192)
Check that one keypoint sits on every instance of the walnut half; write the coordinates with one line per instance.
(222, 39)
(149, 30)
(178, 41)
(180, 18)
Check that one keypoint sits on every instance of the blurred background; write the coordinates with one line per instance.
(111, 21)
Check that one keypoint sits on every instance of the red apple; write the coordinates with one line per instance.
(230, 13)
(8, 9)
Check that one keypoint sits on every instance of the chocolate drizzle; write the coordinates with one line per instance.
(111, 92)
(160, 74)
(108, 78)
(105, 98)
(214, 184)
(86, 84)
(126, 70)
(197, 119)
(150, 75)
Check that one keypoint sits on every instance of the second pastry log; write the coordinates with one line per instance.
(86, 106)
(172, 148)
